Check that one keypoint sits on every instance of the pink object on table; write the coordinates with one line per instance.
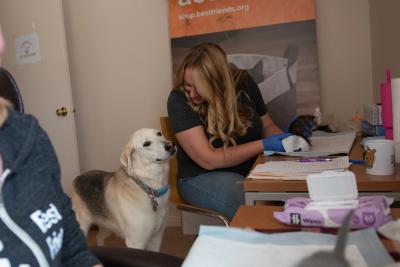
(2, 44)
(386, 99)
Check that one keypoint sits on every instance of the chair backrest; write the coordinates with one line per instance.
(10, 91)
(133, 257)
(166, 129)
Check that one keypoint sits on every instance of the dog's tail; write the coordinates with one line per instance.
(82, 214)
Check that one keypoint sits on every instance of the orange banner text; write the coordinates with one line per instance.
(194, 17)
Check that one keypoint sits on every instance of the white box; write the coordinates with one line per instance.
(332, 189)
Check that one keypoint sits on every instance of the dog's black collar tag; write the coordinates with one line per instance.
(153, 200)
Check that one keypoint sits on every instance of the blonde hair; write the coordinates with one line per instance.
(222, 114)
(4, 104)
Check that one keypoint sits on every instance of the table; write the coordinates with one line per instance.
(261, 218)
(279, 190)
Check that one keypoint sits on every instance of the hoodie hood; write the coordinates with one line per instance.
(15, 152)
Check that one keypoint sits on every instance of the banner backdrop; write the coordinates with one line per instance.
(274, 40)
(193, 17)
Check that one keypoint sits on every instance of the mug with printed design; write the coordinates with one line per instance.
(379, 157)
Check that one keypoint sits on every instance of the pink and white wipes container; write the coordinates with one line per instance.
(332, 195)
(371, 211)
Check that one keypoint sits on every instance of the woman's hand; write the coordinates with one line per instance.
(274, 142)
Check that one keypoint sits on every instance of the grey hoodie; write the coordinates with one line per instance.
(37, 224)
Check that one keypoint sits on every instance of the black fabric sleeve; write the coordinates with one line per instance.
(253, 91)
(180, 114)
(74, 251)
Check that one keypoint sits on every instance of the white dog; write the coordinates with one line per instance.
(133, 201)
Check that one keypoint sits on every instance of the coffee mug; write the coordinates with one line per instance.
(379, 157)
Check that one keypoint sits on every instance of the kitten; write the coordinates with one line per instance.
(333, 258)
(303, 126)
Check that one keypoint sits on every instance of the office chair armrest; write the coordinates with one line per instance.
(190, 208)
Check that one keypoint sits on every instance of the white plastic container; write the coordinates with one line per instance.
(332, 189)
(318, 116)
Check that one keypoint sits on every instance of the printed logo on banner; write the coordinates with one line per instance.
(194, 17)
(189, 2)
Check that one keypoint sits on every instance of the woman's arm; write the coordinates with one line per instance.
(195, 143)
(269, 126)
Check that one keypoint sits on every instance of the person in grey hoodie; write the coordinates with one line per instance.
(37, 224)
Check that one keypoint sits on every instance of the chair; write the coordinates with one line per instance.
(10, 91)
(129, 257)
(175, 196)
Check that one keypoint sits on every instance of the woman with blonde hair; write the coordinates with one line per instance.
(221, 124)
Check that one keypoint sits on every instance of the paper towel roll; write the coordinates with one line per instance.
(396, 117)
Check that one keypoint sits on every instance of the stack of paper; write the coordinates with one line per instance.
(324, 144)
(297, 169)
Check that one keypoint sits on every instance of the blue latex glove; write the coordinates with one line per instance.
(302, 126)
(274, 142)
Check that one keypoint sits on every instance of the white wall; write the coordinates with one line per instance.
(345, 61)
(121, 73)
(385, 40)
(119, 54)
(45, 85)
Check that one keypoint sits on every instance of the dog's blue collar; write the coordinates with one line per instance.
(155, 192)
(152, 193)
(161, 191)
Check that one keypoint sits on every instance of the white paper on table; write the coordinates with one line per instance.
(324, 145)
(336, 143)
(219, 252)
(295, 170)
(391, 230)
(302, 177)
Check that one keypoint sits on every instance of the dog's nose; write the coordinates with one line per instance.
(168, 146)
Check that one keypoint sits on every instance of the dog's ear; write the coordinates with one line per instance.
(125, 158)
(4, 104)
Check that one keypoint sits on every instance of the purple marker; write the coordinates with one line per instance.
(314, 160)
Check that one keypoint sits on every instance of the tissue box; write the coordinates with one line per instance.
(371, 211)
(332, 195)
(373, 114)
